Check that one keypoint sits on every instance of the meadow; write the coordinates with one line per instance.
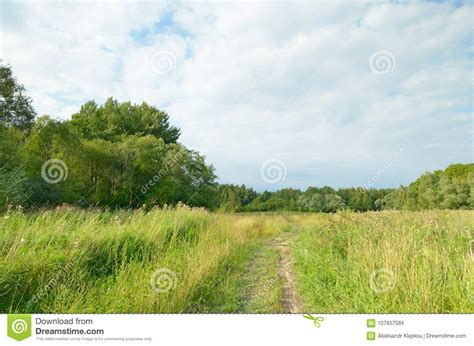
(177, 260)
(388, 262)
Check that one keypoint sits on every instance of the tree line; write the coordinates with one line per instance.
(452, 188)
(124, 155)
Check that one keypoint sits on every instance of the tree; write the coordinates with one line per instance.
(358, 199)
(234, 197)
(48, 140)
(232, 202)
(11, 142)
(455, 193)
(313, 202)
(114, 120)
(13, 189)
(452, 188)
(15, 106)
(333, 203)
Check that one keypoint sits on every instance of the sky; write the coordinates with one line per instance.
(274, 94)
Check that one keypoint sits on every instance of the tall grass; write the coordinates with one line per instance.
(392, 262)
(93, 261)
(68, 260)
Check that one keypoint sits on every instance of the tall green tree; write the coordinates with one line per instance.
(114, 120)
(15, 106)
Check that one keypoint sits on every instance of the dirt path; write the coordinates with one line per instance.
(291, 300)
(270, 281)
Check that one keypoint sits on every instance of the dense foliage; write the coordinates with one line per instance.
(15, 105)
(452, 188)
(112, 155)
(324, 199)
(122, 155)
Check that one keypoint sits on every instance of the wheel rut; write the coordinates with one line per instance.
(291, 300)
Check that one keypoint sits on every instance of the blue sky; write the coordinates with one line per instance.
(319, 93)
(164, 26)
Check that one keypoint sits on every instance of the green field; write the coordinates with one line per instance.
(189, 260)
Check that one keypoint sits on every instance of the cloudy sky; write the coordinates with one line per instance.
(274, 94)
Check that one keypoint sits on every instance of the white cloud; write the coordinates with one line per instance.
(259, 81)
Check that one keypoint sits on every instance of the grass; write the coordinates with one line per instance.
(188, 260)
(387, 262)
(91, 261)
(264, 285)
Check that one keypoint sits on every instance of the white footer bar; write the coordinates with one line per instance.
(227, 330)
